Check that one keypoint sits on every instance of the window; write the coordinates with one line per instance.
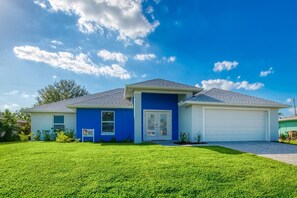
(107, 122)
(59, 123)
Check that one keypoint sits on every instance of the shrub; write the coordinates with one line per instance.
(37, 136)
(198, 137)
(46, 135)
(24, 137)
(62, 137)
(183, 137)
(283, 136)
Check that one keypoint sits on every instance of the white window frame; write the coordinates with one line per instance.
(54, 123)
(108, 133)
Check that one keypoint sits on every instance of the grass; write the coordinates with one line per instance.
(289, 142)
(49, 169)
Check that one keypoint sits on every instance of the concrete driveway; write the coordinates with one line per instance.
(277, 151)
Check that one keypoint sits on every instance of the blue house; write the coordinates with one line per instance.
(159, 109)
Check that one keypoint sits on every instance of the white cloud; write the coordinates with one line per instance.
(116, 56)
(25, 95)
(143, 57)
(149, 10)
(225, 65)
(41, 3)
(13, 92)
(289, 100)
(54, 77)
(228, 85)
(11, 106)
(267, 72)
(139, 42)
(238, 77)
(169, 59)
(80, 63)
(55, 42)
(124, 17)
(144, 75)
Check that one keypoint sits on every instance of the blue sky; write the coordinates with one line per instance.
(245, 46)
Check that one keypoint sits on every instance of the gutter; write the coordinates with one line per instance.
(187, 103)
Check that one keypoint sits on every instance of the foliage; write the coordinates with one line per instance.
(8, 127)
(92, 170)
(66, 136)
(198, 137)
(283, 136)
(26, 127)
(47, 135)
(183, 137)
(62, 137)
(62, 90)
(37, 136)
(24, 137)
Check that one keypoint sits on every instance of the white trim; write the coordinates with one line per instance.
(187, 103)
(157, 111)
(109, 132)
(58, 123)
(267, 133)
(137, 117)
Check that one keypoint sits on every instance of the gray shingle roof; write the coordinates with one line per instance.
(229, 97)
(62, 106)
(161, 83)
(110, 99)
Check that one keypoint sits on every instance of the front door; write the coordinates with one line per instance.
(157, 125)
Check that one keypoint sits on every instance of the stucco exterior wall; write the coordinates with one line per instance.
(91, 119)
(185, 120)
(285, 126)
(45, 121)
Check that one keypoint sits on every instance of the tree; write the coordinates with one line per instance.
(64, 89)
(8, 126)
(26, 127)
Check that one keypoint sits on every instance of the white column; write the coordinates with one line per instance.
(137, 117)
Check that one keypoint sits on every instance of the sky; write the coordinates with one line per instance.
(245, 46)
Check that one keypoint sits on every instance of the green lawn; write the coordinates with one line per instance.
(121, 170)
(291, 142)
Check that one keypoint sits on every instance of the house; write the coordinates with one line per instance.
(159, 110)
(287, 124)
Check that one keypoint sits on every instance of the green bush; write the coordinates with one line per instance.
(283, 136)
(47, 135)
(37, 136)
(183, 137)
(24, 137)
(62, 137)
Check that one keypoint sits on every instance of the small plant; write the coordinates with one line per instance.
(283, 136)
(198, 137)
(128, 139)
(24, 137)
(62, 137)
(183, 137)
(37, 136)
(46, 135)
(76, 140)
(113, 139)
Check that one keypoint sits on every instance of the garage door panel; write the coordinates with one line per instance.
(235, 125)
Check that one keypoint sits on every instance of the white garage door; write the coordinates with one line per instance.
(235, 125)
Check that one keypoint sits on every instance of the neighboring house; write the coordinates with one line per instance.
(287, 124)
(159, 110)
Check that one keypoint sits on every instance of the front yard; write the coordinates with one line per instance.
(49, 169)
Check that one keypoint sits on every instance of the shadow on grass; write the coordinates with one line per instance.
(220, 149)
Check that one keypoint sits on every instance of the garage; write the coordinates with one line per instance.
(235, 124)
